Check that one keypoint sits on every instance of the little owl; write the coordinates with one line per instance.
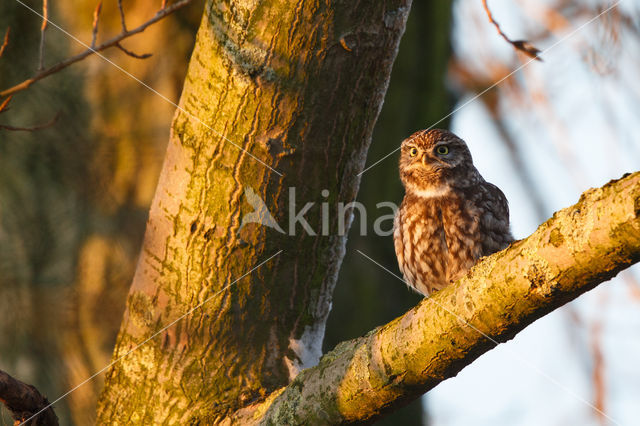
(450, 216)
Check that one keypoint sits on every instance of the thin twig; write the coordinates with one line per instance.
(133, 54)
(5, 104)
(109, 43)
(94, 29)
(30, 129)
(522, 45)
(124, 26)
(164, 4)
(43, 28)
(5, 42)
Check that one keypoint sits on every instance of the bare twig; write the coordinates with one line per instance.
(30, 129)
(5, 104)
(164, 4)
(107, 44)
(94, 26)
(124, 26)
(522, 45)
(24, 400)
(5, 42)
(133, 54)
(43, 28)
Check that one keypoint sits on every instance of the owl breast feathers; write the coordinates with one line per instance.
(449, 217)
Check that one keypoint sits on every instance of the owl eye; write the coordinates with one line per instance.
(442, 150)
(413, 151)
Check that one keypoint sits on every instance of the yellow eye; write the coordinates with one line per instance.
(413, 151)
(442, 150)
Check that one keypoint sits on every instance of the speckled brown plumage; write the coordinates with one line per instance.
(450, 216)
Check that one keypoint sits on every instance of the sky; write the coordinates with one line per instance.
(584, 136)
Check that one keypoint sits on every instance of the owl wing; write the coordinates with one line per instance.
(494, 221)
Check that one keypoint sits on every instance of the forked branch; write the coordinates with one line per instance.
(522, 45)
(114, 42)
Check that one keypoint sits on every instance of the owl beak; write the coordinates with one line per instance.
(430, 161)
(427, 160)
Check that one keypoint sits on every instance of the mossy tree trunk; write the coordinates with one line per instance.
(297, 86)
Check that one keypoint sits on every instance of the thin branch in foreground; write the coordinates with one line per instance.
(23, 400)
(122, 23)
(4, 105)
(30, 129)
(522, 45)
(90, 51)
(5, 42)
(43, 28)
(133, 54)
(94, 25)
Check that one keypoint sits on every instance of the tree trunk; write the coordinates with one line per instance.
(298, 87)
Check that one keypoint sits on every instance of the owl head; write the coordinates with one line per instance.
(434, 161)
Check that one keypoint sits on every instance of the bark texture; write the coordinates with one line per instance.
(298, 85)
(360, 380)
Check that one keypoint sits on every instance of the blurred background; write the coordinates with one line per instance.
(74, 197)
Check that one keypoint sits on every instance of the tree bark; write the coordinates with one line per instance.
(361, 380)
(297, 86)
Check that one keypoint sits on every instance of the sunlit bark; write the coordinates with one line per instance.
(297, 86)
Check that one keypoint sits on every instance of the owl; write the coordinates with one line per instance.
(449, 217)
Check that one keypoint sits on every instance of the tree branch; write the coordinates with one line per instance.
(29, 129)
(522, 45)
(162, 13)
(94, 25)
(133, 54)
(122, 23)
(360, 380)
(24, 400)
(5, 41)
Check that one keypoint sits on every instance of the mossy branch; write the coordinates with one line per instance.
(360, 380)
